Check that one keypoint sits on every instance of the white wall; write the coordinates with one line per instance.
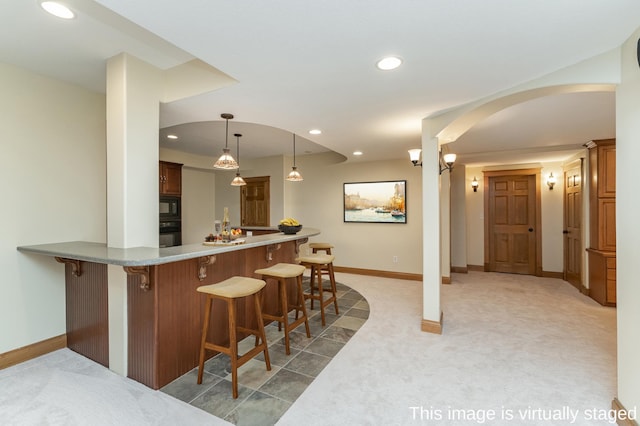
(198, 204)
(475, 218)
(627, 229)
(459, 184)
(552, 219)
(318, 202)
(54, 174)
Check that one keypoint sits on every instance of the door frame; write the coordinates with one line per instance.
(538, 206)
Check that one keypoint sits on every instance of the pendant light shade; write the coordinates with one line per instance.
(294, 175)
(226, 161)
(238, 181)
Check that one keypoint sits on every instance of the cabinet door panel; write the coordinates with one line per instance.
(607, 228)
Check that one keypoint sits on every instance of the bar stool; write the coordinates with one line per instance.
(229, 291)
(280, 272)
(316, 247)
(318, 262)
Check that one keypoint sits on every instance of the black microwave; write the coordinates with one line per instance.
(169, 208)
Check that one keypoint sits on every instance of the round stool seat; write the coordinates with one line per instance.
(282, 270)
(320, 246)
(233, 287)
(316, 259)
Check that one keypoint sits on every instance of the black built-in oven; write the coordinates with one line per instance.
(170, 221)
(170, 233)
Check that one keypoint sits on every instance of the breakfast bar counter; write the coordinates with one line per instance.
(164, 312)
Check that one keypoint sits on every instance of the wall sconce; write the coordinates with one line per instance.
(445, 162)
(474, 184)
(414, 156)
(551, 180)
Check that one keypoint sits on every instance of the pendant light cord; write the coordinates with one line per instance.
(294, 150)
(238, 151)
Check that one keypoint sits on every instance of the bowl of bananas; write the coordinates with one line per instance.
(289, 226)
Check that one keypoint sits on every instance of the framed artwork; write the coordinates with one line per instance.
(376, 202)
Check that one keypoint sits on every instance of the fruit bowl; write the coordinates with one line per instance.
(289, 229)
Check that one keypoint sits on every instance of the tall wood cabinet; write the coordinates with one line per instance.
(602, 227)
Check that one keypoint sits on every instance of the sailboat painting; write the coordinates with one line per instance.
(375, 202)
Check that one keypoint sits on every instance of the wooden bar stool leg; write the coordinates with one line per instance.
(258, 302)
(280, 300)
(233, 344)
(333, 287)
(302, 305)
(282, 287)
(311, 280)
(320, 294)
(205, 330)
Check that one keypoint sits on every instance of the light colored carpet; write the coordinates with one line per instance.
(64, 388)
(517, 345)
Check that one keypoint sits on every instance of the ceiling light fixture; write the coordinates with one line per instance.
(389, 63)
(58, 9)
(315, 131)
(238, 181)
(226, 161)
(294, 175)
(357, 153)
(172, 137)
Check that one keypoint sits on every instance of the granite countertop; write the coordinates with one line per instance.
(142, 256)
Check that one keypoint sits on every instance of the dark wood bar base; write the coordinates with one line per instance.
(165, 322)
(86, 299)
(165, 312)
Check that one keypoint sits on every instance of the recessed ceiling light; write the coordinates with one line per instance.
(315, 131)
(58, 9)
(357, 152)
(389, 63)
(172, 137)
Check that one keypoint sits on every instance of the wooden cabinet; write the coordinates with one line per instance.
(170, 178)
(602, 276)
(602, 227)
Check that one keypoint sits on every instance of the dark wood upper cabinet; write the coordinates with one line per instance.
(170, 178)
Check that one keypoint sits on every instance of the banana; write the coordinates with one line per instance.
(289, 221)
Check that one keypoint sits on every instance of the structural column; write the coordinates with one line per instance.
(445, 226)
(133, 102)
(431, 310)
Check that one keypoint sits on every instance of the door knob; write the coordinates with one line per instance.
(565, 232)
(530, 229)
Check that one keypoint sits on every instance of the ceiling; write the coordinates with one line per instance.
(303, 65)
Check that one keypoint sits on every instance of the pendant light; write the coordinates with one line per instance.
(226, 161)
(294, 175)
(238, 181)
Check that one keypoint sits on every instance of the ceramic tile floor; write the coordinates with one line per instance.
(264, 396)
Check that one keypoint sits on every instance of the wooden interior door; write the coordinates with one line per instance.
(573, 224)
(255, 202)
(511, 230)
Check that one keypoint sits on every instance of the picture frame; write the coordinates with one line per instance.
(375, 202)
